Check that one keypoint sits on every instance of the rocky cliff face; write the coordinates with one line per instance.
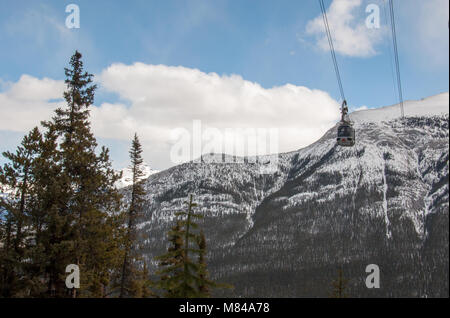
(286, 234)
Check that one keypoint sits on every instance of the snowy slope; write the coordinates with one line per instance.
(127, 176)
(434, 105)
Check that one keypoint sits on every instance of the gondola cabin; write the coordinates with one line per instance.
(346, 135)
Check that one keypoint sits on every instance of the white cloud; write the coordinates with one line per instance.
(163, 98)
(351, 37)
(159, 99)
(24, 103)
(29, 88)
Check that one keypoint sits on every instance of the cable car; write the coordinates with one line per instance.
(346, 135)
(346, 132)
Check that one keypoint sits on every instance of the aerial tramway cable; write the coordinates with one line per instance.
(333, 53)
(390, 51)
(346, 132)
(397, 63)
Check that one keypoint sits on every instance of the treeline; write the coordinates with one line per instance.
(60, 207)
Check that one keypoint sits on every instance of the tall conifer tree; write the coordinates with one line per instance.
(87, 181)
(184, 272)
(65, 207)
(17, 177)
(131, 275)
(340, 286)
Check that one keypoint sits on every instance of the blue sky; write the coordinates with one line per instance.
(265, 42)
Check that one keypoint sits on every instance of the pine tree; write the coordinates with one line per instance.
(146, 283)
(64, 208)
(172, 264)
(204, 284)
(82, 225)
(183, 275)
(340, 286)
(141, 285)
(17, 177)
(50, 221)
(189, 279)
(131, 278)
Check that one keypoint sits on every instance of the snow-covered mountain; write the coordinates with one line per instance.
(384, 201)
(127, 175)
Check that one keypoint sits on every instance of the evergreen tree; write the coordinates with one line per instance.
(51, 222)
(82, 225)
(339, 286)
(146, 283)
(141, 286)
(131, 276)
(183, 275)
(17, 178)
(204, 283)
(189, 279)
(64, 207)
(172, 263)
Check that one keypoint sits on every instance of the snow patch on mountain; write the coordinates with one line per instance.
(127, 175)
(434, 105)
